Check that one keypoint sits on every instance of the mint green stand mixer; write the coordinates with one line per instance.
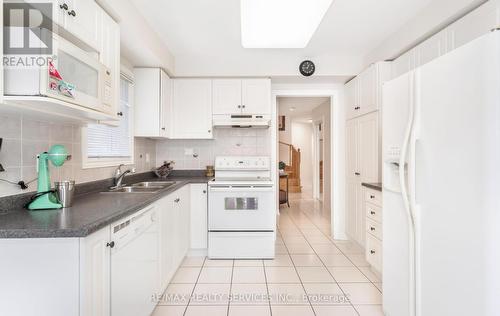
(45, 197)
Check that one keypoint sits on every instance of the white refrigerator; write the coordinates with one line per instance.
(441, 185)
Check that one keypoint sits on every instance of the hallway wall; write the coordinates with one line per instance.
(322, 113)
(302, 138)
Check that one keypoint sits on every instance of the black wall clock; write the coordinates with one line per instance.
(307, 68)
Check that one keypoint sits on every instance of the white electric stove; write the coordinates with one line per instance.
(241, 209)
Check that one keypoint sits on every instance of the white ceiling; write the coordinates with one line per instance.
(303, 106)
(205, 38)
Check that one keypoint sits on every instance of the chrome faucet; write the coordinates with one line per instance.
(119, 175)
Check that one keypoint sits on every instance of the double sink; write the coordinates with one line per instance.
(143, 187)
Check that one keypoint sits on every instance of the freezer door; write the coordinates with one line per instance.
(455, 189)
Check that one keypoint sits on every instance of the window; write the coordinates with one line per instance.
(105, 145)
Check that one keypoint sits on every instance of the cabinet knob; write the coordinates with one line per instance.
(372, 212)
(110, 244)
(63, 6)
(243, 106)
(177, 200)
(204, 191)
(372, 196)
(239, 106)
(119, 113)
(357, 108)
(210, 131)
(372, 251)
(163, 128)
(357, 173)
(372, 228)
(72, 12)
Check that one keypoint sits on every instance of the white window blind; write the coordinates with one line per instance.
(113, 142)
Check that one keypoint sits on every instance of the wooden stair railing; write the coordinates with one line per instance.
(293, 167)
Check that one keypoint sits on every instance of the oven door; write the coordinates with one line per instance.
(241, 208)
(75, 76)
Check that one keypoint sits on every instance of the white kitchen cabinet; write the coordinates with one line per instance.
(241, 96)
(372, 202)
(256, 96)
(110, 56)
(199, 209)
(191, 116)
(81, 19)
(364, 93)
(95, 270)
(152, 95)
(363, 160)
(183, 232)
(431, 49)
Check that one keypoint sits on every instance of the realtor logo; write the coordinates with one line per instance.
(27, 28)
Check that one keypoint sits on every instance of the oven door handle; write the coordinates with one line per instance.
(230, 189)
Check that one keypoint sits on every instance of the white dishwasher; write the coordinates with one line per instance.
(135, 264)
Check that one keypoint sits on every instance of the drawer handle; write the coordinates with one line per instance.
(177, 200)
(110, 244)
(357, 108)
(372, 228)
(372, 212)
(372, 252)
(357, 173)
(372, 196)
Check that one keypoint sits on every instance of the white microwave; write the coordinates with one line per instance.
(73, 76)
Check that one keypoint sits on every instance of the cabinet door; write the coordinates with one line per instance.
(165, 104)
(368, 90)
(192, 109)
(352, 148)
(369, 151)
(168, 240)
(431, 49)
(256, 96)
(95, 258)
(351, 98)
(83, 21)
(199, 228)
(352, 200)
(147, 86)
(226, 96)
(110, 57)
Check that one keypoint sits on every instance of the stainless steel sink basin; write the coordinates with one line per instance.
(148, 184)
(130, 189)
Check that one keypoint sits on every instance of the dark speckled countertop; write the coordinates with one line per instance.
(374, 186)
(91, 209)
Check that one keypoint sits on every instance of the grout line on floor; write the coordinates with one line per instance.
(195, 284)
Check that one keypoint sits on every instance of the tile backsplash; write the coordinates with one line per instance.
(197, 154)
(25, 138)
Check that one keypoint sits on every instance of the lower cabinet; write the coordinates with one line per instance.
(374, 237)
(199, 214)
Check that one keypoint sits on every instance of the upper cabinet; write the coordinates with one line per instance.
(152, 94)
(241, 96)
(191, 109)
(110, 57)
(363, 93)
(81, 18)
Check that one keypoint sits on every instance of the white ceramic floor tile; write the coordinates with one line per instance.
(248, 263)
(215, 275)
(294, 240)
(347, 274)
(322, 310)
(369, 310)
(287, 294)
(254, 310)
(177, 294)
(193, 261)
(210, 294)
(378, 285)
(319, 239)
(299, 248)
(161, 310)
(281, 275)
(287, 310)
(325, 294)
(248, 275)
(249, 294)
(367, 271)
(314, 274)
(186, 275)
(280, 249)
(325, 249)
(279, 261)
(337, 260)
(218, 263)
(351, 248)
(362, 293)
(359, 260)
(193, 310)
(310, 260)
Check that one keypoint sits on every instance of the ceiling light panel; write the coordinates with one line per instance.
(280, 23)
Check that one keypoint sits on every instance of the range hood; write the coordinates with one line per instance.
(242, 121)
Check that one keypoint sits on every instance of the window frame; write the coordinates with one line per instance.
(89, 163)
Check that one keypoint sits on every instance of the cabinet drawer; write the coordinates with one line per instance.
(374, 228)
(374, 252)
(373, 212)
(373, 196)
